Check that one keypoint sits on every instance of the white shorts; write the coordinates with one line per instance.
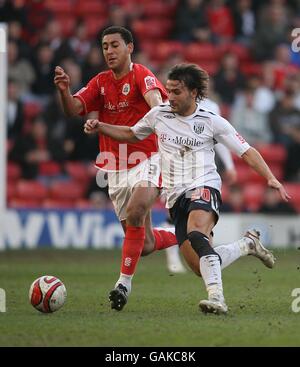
(121, 183)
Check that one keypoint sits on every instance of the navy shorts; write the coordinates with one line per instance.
(205, 198)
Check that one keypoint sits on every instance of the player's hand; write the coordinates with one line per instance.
(61, 79)
(91, 126)
(278, 186)
(230, 176)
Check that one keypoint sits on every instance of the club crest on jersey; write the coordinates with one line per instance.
(198, 128)
(126, 89)
(150, 82)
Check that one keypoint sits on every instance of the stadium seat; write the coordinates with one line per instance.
(18, 203)
(253, 195)
(242, 52)
(159, 9)
(66, 191)
(58, 204)
(91, 7)
(10, 191)
(77, 171)
(94, 24)
(272, 153)
(243, 174)
(31, 190)
(152, 29)
(251, 68)
(59, 7)
(197, 52)
(50, 168)
(67, 24)
(161, 51)
(13, 171)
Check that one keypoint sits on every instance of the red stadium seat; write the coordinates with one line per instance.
(58, 204)
(253, 195)
(94, 24)
(152, 29)
(197, 52)
(251, 68)
(242, 52)
(159, 9)
(13, 171)
(243, 174)
(31, 190)
(49, 168)
(161, 51)
(272, 153)
(24, 203)
(67, 24)
(11, 190)
(59, 7)
(66, 191)
(77, 171)
(91, 7)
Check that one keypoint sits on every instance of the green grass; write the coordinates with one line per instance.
(162, 310)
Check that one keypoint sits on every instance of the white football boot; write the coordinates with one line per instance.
(215, 304)
(256, 249)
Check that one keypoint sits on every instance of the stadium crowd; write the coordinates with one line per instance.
(244, 45)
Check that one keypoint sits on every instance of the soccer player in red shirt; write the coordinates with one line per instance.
(124, 94)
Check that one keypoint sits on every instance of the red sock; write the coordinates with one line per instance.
(164, 239)
(132, 248)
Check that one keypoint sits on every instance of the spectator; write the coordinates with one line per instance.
(235, 203)
(244, 21)
(43, 64)
(93, 64)
(191, 23)
(229, 79)
(221, 21)
(35, 148)
(248, 121)
(272, 204)
(79, 42)
(271, 31)
(15, 114)
(20, 70)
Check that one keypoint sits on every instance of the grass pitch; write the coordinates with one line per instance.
(162, 309)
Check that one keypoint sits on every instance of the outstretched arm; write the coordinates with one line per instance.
(120, 133)
(253, 158)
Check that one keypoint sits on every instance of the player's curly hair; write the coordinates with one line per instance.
(192, 76)
(125, 33)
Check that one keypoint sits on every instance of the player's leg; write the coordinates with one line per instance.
(137, 208)
(199, 226)
(248, 245)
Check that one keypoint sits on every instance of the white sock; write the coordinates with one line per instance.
(211, 273)
(232, 251)
(125, 280)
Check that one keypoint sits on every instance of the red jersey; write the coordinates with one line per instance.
(121, 102)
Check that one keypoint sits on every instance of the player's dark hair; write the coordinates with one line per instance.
(192, 76)
(125, 33)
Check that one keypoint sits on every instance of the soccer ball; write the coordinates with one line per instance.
(47, 294)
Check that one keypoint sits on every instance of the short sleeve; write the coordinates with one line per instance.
(90, 96)
(146, 81)
(145, 127)
(226, 134)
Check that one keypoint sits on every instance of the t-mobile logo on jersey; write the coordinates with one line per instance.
(127, 261)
